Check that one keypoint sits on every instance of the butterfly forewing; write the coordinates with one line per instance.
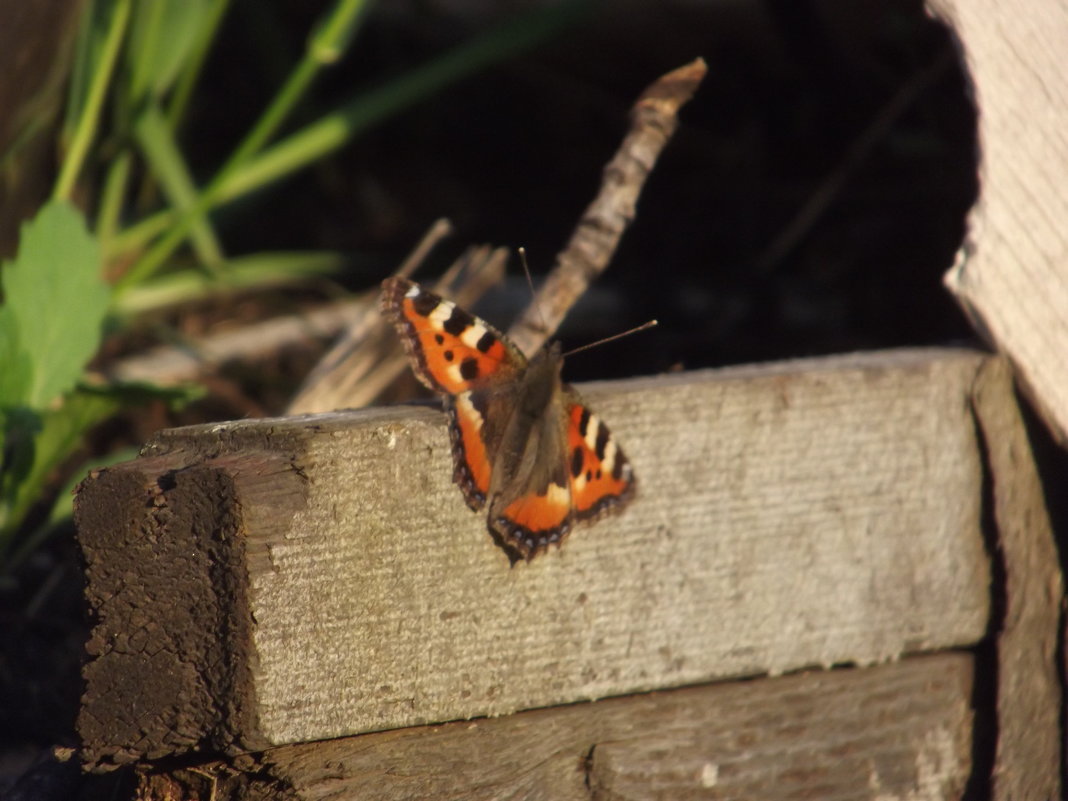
(450, 349)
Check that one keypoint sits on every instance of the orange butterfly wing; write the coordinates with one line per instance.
(601, 476)
(455, 354)
(451, 350)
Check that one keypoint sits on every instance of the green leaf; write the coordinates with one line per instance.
(21, 428)
(17, 369)
(54, 305)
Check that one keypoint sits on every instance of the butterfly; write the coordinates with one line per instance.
(523, 442)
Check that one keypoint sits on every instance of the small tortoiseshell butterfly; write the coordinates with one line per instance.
(522, 440)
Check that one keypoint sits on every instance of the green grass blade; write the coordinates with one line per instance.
(145, 28)
(134, 238)
(88, 44)
(163, 34)
(111, 200)
(253, 272)
(161, 153)
(325, 46)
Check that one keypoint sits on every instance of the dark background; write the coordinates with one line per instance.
(810, 202)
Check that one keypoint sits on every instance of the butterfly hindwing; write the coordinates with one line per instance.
(532, 522)
(475, 440)
(451, 350)
(600, 474)
(531, 505)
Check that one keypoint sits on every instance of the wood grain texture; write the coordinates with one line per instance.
(807, 513)
(1015, 282)
(899, 731)
(1029, 697)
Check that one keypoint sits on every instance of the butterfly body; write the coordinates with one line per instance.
(523, 441)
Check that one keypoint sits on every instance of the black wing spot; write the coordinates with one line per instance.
(469, 368)
(576, 462)
(458, 322)
(602, 441)
(448, 355)
(485, 342)
(617, 468)
(584, 421)
(424, 303)
(439, 339)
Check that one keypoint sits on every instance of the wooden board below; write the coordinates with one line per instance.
(899, 731)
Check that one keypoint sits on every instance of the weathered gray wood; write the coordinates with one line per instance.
(1029, 698)
(806, 513)
(1014, 281)
(893, 731)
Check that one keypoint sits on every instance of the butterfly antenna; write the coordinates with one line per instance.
(643, 327)
(530, 283)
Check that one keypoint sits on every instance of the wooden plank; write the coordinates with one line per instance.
(1014, 278)
(895, 731)
(807, 513)
(1029, 698)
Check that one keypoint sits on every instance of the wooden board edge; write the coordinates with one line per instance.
(1030, 699)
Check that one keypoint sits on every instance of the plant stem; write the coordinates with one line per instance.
(90, 116)
(111, 201)
(334, 129)
(324, 48)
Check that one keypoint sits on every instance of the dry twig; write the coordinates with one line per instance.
(654, 118)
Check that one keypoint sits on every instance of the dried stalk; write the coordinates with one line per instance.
(654, 118)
